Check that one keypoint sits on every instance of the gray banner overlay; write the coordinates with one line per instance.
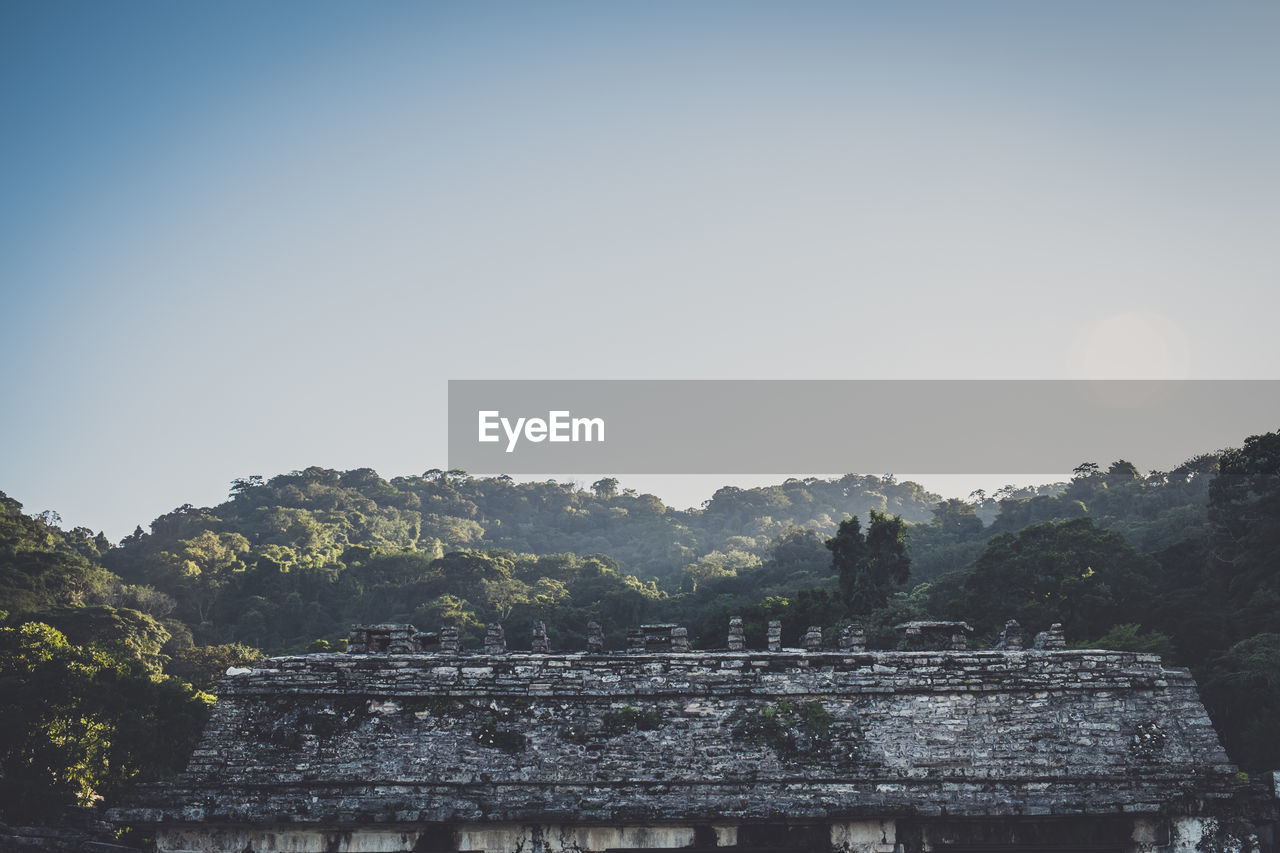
(829, 426)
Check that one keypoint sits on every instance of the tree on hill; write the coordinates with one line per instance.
(204, 666)
(1070, 572)
(1241, 689)
(40, 566)
(605, 488)
(128, 636)
(1244, 538)
(871, 565)
(800, 550)
(77, 725)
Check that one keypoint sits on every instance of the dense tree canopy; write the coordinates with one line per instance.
(77, 724)
(1070, 572)
(870, 566)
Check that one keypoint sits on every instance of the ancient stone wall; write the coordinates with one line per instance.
(516, 736)
(686, 746)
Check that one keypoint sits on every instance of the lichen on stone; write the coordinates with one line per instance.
(1148, 740)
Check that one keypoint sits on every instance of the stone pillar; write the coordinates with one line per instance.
(679, 639)
(775, 635)
(813, 639)
(1051, 640)
(657, 637)
(495, 639)
(1011, 638)
(853, 639)
(426, 642)
(450, 643)
(737, 637)
(595, 638)
(540, 644)
(958, 642)
(912, 638)
(400, 640)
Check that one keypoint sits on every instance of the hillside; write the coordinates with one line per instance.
(1183, 563)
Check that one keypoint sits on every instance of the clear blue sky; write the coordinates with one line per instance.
(246, 237)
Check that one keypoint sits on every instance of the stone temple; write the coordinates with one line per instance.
(410, 743)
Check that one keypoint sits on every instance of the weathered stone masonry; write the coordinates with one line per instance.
(873, 752)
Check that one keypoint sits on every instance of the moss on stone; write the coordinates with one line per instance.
(629, 718)
(788, 728)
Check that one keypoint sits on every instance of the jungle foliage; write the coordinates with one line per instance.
(107, 651)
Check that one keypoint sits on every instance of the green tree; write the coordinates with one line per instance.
(504, 594)
(956, 519)
(40, 568)
(1070, 572)
(1122, 471)
(1129, 637)
(242, 485)
(127, 635)
(871, 565)
(605, 488)
(1241, 688)
(800, 550)
(446, 609)
(76, 725)
(53, 741)
(198, 569)
(1244, 537)
(718, 564)
(204, 666)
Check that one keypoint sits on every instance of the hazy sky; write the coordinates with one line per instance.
(248, 237)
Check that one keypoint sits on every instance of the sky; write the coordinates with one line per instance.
(246, 238)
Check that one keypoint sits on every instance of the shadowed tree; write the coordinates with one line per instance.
(605, 488)
(871, 566)
(1070, 572)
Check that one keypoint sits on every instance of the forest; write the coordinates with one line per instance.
(110, 653)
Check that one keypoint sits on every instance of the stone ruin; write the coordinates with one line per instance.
(409, 742)
(934, 635)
